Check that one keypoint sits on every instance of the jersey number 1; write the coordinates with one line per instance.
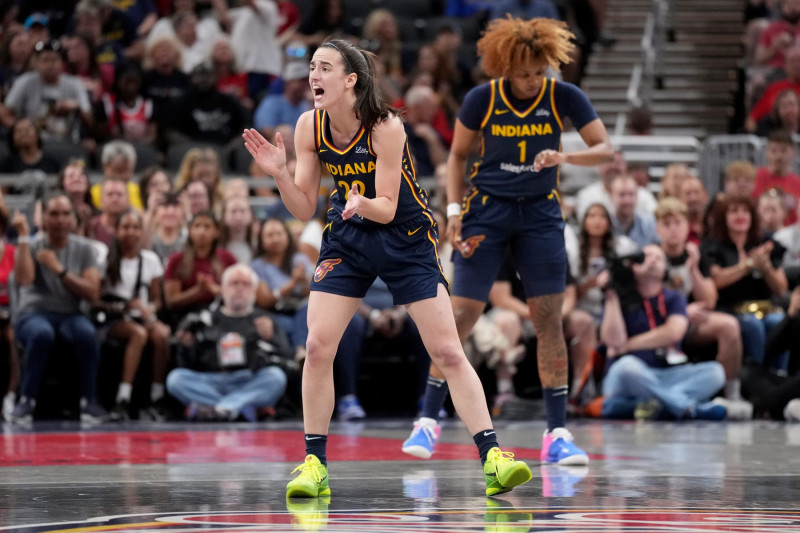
(522, 145)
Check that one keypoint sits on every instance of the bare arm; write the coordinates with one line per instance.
(24, 267)
(463, 138)
(85, 286)
(669, 333)
(703, 288)
(179, 299)
(501, 296)
(612, 331)
(388, 139)
(727, 276)
(298, 194)
(776, 280)
(594, 134)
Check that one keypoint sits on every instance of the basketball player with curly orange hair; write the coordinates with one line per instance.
(512, 204)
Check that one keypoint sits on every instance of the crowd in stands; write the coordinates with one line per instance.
(149, 252)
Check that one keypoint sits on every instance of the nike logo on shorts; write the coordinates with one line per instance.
(413, 232)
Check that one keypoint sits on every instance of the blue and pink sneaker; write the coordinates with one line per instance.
(558, 448)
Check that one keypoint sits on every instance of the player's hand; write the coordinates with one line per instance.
(547, 158)
(354, 202)
(454, 233)
(270, 158)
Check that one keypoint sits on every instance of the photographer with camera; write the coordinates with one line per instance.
(233, 360)
(647, 376)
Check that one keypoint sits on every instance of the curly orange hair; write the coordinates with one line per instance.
(511, 42)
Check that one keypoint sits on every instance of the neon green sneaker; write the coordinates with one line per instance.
(502, 473)
(312, 481)
(309, 514)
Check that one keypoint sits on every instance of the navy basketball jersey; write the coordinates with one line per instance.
(354, 166)
(512, 137)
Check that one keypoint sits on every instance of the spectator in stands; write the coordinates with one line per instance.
(646, 379)
(600, 191)
(287, 273)
(37, 26)
(444, 92)
(747, 272)
(164, 82)
(640, 228)
(116, 29)
(779, 36)
(254, 36)
(381, 32)
(785, 114)
(154, 185)
(674, 175)
(236, 366)
(202, 164)
(640, 121)
(285, 108)
(82, 63)
(740, 178)
(129, 115)
(596, 243)
(25, 150)
(115, 200)
(7, 252)
(194, 49)
(196, 198)
(326, 18)
(427, 147)
(777, 395)
(207, 28)
(230, 80)
(193, 275)
(789, 238)
(118, 160)
(169, 235)
(688, 274)
(237, 224)
(693, 194)
(777, 174)
(204, 114)
(447, 42)
(767, 101)
(57, 102)
(525, 9)
(131, 294)
(55, 273)
(15, 58)
(771, 212)
(108, 48)
(75, 183)
(142, 14)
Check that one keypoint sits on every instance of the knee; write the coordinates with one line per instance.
(318, 351)
(274, 376)
(448, 355)
(716, 375)
(176, 378)
(138, 335)
(729, 327)
(159, 333)
(628, 365)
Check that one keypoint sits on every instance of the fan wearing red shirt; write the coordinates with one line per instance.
(193, 275)
(780, 153)
(779, 36)
(767, 101)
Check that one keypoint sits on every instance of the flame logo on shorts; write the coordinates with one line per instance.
(470, 245)
(324, 267)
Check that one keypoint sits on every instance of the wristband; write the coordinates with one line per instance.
(24, 239)
(453, 209)
(374, 314)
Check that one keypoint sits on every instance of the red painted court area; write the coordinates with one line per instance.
(222, 446)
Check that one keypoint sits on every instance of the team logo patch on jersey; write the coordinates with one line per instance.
(470, 245)
(325, 267)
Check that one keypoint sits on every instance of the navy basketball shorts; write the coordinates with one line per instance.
(405, 256)
(531, 229)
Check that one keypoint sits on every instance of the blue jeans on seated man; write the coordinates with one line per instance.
(295, 325)
(37, 332)
(680, 389)
(754, 339)
(228, 391)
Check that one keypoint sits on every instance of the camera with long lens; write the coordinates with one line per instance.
(622, 280)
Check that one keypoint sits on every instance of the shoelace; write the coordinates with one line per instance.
(503, 457)
(307, 466)
(561, 433)
(428, 432)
